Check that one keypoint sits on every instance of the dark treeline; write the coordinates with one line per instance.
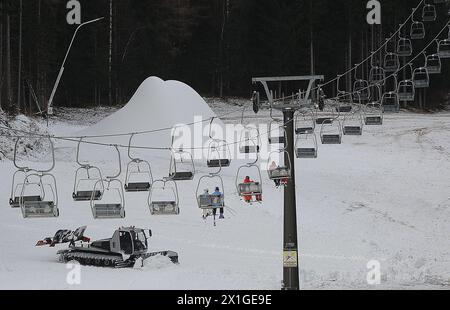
(216, 46)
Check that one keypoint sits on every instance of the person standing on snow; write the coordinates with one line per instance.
(217, 202)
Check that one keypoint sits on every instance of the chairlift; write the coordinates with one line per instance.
(417, 31)
(210, 200)
(219, 154)
(362, 87)
(305, 122)
(406, 90)
(16, 190)
(276, 136)
(281, 172)
(429, 13)
(164, 199)
(345, 100)
(444, 49)
(328, 113)
(85, 178)
(306, 145)
(182, 167)
(391, 62)
(377, 75)
(433, 64)
(38, 197)
(249, 141)
(390, 102)
(352, 124)
(331, 132)
(249, 189)
(373, 112)
(421, 78)
(404, 47)
(139, 176)
(112, 203)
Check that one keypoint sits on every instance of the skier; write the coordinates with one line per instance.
(206, 212)
(217, 203)
(273, 166)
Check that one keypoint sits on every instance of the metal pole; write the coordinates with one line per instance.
(55, 87)
(290, 252)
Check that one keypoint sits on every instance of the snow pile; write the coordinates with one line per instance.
(156, 104)
(30, 148)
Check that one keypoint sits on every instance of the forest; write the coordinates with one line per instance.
(215, 46)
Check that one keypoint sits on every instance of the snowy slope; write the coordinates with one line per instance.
(383, 196)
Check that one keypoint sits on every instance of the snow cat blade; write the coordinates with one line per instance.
(173, 256)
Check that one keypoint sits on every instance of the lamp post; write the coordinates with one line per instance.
(50, 101)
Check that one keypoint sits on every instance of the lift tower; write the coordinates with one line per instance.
(288, 106)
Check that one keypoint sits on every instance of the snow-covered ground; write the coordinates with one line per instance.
(384, 196)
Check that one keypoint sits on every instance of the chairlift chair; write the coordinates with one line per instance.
(417, 31)
(373, 115)
(328, 113)
(305, 122)
(249, 141)
(45, 203)
(406, 90)
(390, 102)
(108, 206)
(433, 64)
(139, 176)
(429, 13)
(391, 62)
(84, 183)
(252, 189)
(219, 154)
(167, 201)
(208, 200)
(331, 132)
(404, 47)
(444, 48)
(38, 198)
(16, 190)
(276, 137)
(377, 75)
(182, 167)
(362, 87)
(306, 146)
(280, 172)
(421, 78)
(352, 124)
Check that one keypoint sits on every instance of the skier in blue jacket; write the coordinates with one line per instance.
(217, 203)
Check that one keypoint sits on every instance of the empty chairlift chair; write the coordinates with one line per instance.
(404, 47)
(112, 203)
(219, 154)
(38, 197)
(363, 88)
(163, 198)
(35, 194)
(331, 132)
(417, 31)
(139, 176)
(353, 124)
(85, 178)
(390, 102)
(373, 114)
(182, 167)
(305, 122)
(444, 49)
(45, 201)
(391, 62)
(421, 78)
(277, 133)
(433, 64)
(429, 13)
(306, 145)
(249, 141)
(377, 75)
(406, 90)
